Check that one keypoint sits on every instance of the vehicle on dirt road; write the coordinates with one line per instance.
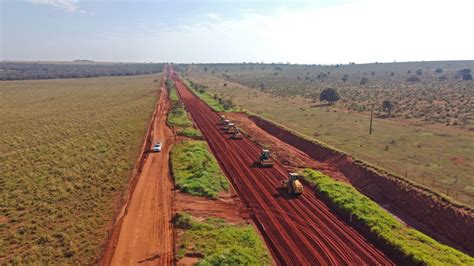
(225, 126)
(293, 184)
(231, 129)
(237, 135)
(222, 120)
(265, 160)
(157, 147)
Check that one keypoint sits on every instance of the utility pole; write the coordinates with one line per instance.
(371, 117)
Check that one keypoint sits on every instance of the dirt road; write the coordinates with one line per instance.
(146, 236)
(299, 231)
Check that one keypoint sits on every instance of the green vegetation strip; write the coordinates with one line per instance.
(177, 116)
(196, 171)
(221, 243)
(416, 246)
(216, 104)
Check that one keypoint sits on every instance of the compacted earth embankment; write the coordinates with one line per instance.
(428, 211)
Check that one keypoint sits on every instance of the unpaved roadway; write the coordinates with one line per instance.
(299, 231)
(146, 235)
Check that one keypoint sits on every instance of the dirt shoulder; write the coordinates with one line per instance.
(145, 234)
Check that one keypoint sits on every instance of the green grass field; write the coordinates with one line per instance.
(220, 243)
(438, 157)
(66, 150)
(196, 170)
(417, 247)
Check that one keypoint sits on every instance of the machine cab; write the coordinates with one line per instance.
(294, 176)
(265, 154)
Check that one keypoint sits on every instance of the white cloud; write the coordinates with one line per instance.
(356, 31)
(68, 5)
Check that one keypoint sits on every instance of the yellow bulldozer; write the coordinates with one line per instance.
(265, 159)
(293, 184)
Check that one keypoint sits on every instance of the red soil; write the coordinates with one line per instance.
(420, 208)
(299, 230)
(143, 233)
(291, 157)
(225, 207)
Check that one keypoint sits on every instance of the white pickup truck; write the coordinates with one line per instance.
(157, 147)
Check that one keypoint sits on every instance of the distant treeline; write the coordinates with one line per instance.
(21, 71)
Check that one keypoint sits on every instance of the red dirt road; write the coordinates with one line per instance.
(299, 231)
(146, 235)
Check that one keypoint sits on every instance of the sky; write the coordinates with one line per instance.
(223, 31)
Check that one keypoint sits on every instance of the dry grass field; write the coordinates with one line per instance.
(66, 149)
(437, 98)
(431, 153)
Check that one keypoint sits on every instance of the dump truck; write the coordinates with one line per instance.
(237, 135)
(265, 160)
(293, 184)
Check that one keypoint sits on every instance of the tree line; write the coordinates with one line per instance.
(22, 71)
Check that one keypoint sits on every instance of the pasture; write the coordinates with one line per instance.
(66, 150)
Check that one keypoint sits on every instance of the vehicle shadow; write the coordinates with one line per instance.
(283, 193)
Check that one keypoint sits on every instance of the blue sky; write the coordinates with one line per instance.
(235, 31)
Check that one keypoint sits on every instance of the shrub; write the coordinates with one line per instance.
(330, 95)
(413, 79)
(364, 81)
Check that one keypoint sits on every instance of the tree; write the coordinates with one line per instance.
(330, 95)
(439, 70)
(387, 106)
(466, 74)
(364, 81)
(345, 77)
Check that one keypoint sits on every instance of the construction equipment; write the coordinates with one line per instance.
(225, 126)
(293, 185)
(237, 135)
(231, 129)
(222, 120)
(265, 160)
